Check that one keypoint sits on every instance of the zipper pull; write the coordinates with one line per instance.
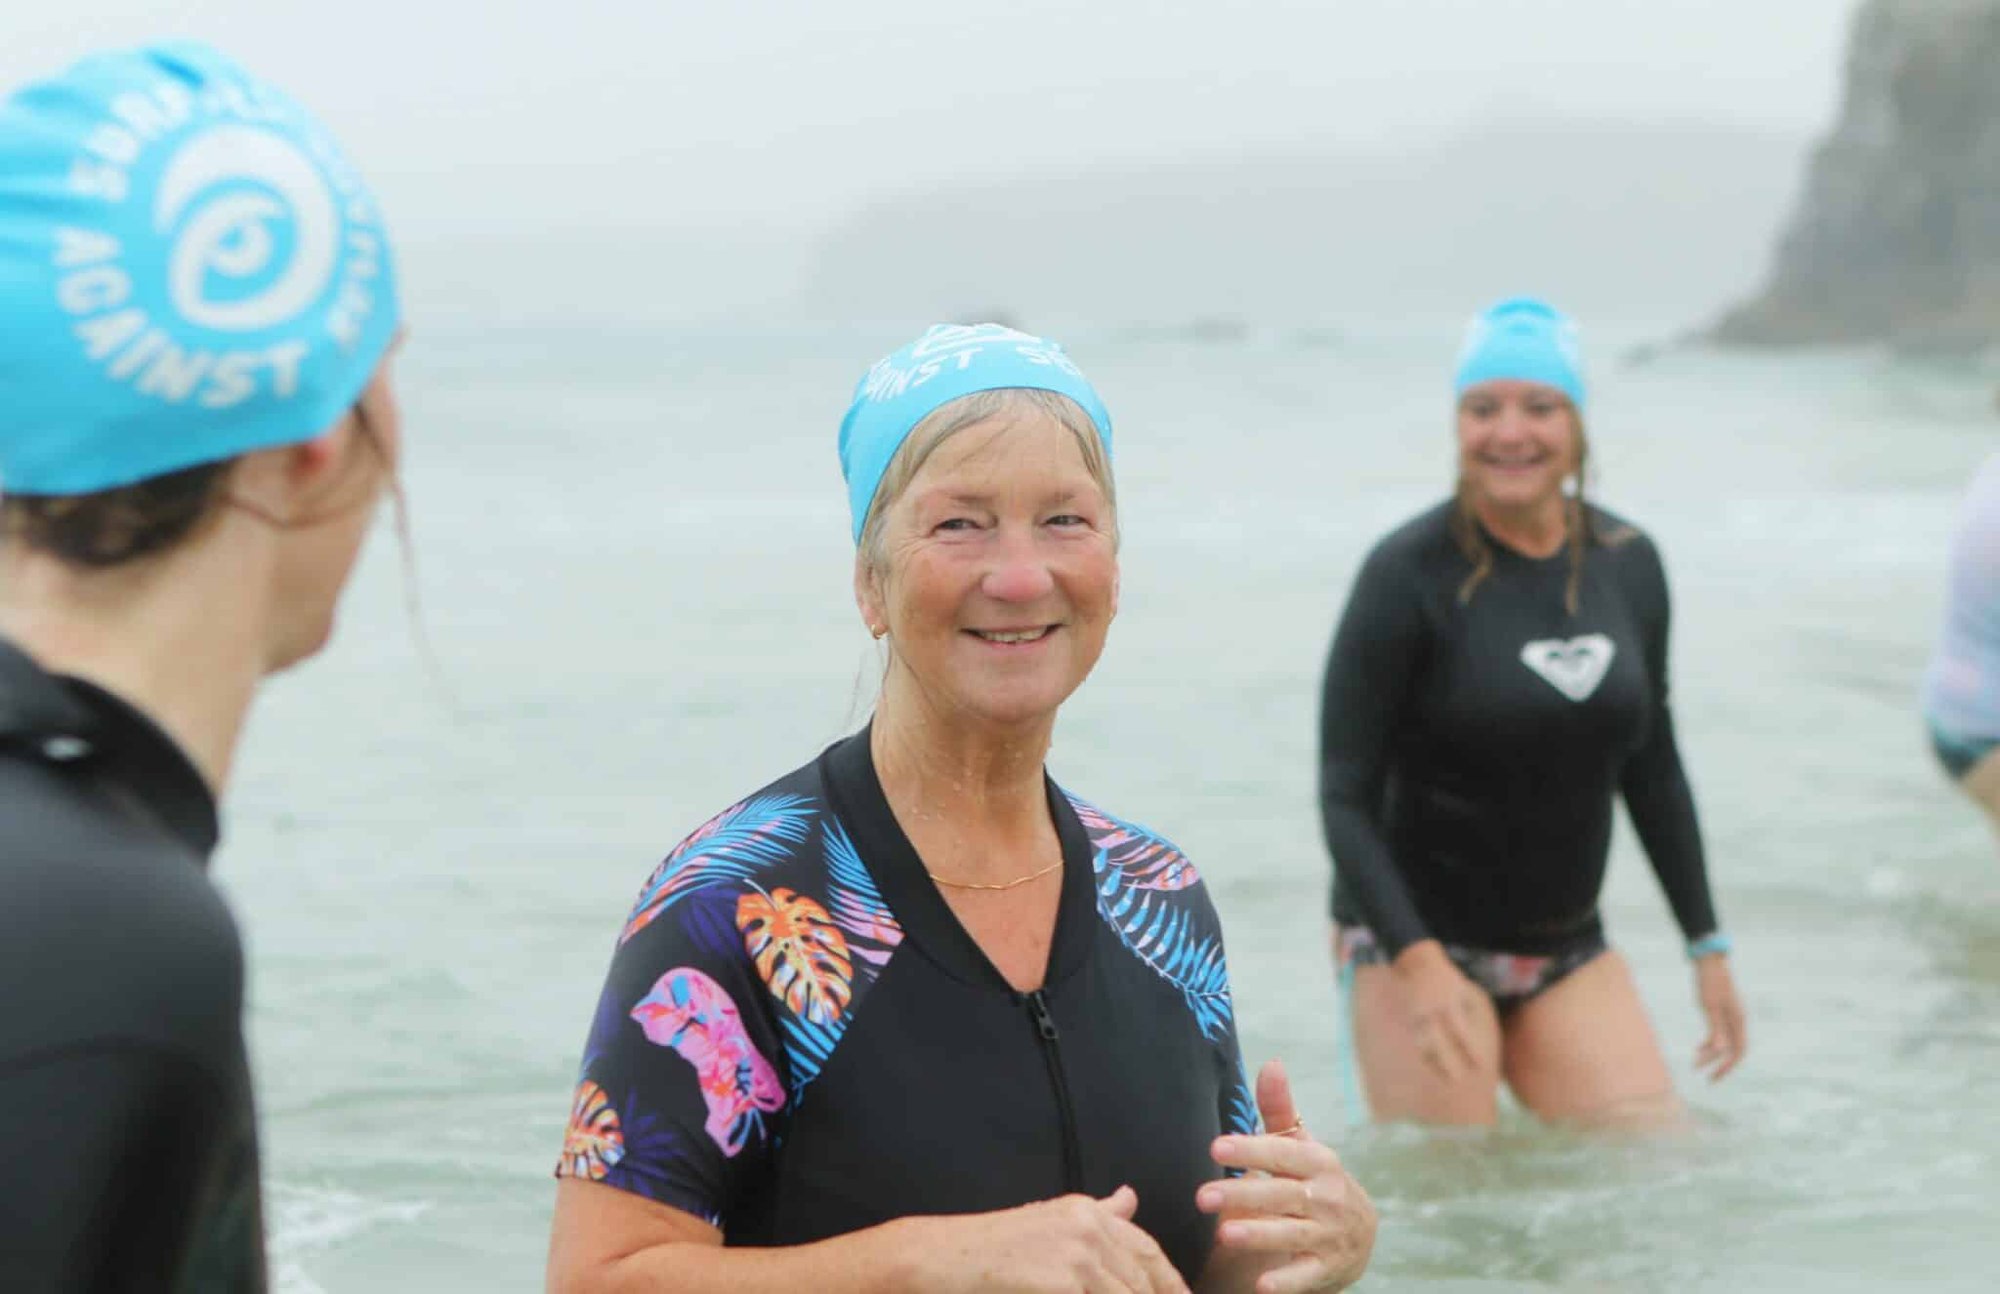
(1038, 1007)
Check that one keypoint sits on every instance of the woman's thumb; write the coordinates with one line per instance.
(1123, 1203)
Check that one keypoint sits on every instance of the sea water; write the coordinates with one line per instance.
(635, 607)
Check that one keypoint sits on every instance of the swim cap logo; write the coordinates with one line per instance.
(232, 234)
(956, 347)
(219, 242)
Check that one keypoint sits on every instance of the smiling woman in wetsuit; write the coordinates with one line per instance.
(913, 1016)
(1498, 678)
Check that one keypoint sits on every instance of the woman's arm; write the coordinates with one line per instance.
(1654, 784)
(1370, 672)
(1375, 656)
(608, 1241)
(1661, 804)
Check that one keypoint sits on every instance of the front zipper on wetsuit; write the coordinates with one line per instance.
(1045, 1025)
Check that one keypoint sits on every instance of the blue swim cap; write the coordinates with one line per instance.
(948, 361)
(1527, 341)
(189, 270)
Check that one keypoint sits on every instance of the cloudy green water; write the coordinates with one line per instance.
(634, 571)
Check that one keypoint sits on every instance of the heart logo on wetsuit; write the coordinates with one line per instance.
(1573, 668)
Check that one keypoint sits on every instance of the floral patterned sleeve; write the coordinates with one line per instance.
(682, 1086)
(1157, 905)
(1239, 1104)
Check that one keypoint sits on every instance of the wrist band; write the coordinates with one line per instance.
(1709, 945)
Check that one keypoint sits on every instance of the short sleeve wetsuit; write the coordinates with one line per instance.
(125, 1111)
(1470, 751)
(797, 1039)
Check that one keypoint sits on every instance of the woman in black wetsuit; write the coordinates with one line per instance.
(912, 1016)
(197, 312)
(1499, 676)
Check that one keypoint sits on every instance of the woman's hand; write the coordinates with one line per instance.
(1071, 1243)
(1441, 1002)
(1298, 1211)
(1727, 1039)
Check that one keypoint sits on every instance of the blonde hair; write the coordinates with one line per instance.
(1014, 403)
(1584, 524)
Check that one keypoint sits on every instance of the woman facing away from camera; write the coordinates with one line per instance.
(913, 1016)
(196, 315)
(1498, 679)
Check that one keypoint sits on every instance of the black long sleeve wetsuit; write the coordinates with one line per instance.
(1470, 751)
(125, 1114)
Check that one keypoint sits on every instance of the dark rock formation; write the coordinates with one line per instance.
(1897, 235)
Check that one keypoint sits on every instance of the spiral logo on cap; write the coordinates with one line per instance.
(227, 190)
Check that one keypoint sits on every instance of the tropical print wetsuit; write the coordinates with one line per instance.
(797, 1038)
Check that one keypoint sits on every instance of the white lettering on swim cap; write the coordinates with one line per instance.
(265, 238)
(174, 373)
(114, 144)
(76, 247)
(140, 354)
(229, 233)
(231, 384)
(160, 367)
(355, 304)
(1049, 356)
(284, 359)
(94, 290)
(90, 179)
(153, 114)
(942, 339)
(103, 335)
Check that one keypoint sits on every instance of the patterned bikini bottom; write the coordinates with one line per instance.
(1510, 979)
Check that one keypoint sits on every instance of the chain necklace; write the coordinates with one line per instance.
(1003, 885)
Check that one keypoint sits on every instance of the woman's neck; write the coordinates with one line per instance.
(1536, 530)
(178, 637)
(934, 767)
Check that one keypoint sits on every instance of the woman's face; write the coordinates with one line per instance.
(999, 572)
(1517, 441)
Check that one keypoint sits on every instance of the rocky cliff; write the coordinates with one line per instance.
(1896, 236)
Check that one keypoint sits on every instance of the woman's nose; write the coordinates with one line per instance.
(1020, 572)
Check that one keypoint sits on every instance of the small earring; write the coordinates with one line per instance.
(877, 631)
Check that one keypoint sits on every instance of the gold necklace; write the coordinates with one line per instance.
(1004, 885)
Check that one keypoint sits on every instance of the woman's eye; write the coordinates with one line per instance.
(1542, 410)
(1068, 519)
(957, 523)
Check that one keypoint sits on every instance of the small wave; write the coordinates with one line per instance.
(306, 1220)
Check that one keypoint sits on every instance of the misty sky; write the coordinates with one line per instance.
(723, 111)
